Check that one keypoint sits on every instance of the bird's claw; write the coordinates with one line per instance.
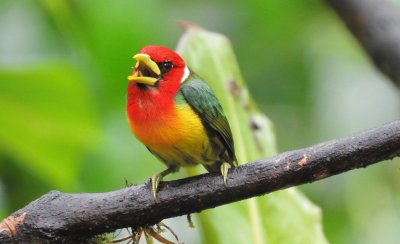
(155, 180)
(224, 171)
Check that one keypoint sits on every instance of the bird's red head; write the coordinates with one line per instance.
(158, 66)
(154, 82)
(162, 54)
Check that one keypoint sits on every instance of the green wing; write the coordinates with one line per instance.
(203, 101)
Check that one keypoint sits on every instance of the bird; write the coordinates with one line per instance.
(176, 115)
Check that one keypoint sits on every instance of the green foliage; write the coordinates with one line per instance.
(262, 219)
(49, 135)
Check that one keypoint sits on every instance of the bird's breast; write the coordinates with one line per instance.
(177, 127)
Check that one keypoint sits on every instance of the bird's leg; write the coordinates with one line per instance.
(224, 170)
(155, 180)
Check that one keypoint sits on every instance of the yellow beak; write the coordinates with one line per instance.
(147, 71)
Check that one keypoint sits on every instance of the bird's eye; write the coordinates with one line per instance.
(165, 66)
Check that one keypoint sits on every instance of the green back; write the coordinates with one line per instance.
(203, 101)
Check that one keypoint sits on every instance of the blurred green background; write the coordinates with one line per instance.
(63, 69)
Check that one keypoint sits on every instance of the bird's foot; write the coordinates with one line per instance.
(224, 170)
(157, 178)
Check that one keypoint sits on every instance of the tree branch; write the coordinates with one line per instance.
(376, 25)
(60, 216)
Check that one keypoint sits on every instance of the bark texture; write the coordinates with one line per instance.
(376, 25)
(64, 217)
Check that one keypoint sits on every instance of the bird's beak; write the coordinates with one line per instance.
(146, 70)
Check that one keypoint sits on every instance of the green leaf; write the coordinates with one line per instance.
(281, 217)
(47, 121)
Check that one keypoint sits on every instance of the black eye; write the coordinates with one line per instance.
(165, 66)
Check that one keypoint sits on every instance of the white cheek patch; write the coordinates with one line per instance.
(186, 73)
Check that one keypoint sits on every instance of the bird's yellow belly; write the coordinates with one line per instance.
(178, 138)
